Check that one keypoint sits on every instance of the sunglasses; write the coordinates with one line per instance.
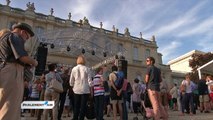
(147, 60)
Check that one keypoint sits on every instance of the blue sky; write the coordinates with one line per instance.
(178, 25)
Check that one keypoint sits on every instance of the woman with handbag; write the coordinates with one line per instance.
(50, 94)
(81, 82)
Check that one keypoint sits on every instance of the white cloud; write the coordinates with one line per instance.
(179, 23)
(206, 43)
(169, 50)
(200, 28)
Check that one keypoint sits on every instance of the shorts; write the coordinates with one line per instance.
(106, 100)
(114, 96)
(204, 98)
(116, 101)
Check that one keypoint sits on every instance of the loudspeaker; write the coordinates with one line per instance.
(41, 57)
(123, 64)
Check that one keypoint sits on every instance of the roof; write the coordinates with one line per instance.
(184, 56)
(206, 68)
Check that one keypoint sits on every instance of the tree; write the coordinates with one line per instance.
(197, 61)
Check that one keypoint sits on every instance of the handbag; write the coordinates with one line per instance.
(56, 86)
(90, 110)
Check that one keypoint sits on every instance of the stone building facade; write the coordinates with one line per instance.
(136, 48)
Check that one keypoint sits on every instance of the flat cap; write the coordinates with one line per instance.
(24, 26)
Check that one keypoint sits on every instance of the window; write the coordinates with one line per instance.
(147, 54)
(107, 46)
(93, 43)
(39, 30)
(120, 47)
(135, 53)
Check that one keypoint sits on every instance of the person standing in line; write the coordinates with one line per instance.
(13, 57)
(187, 87)
(203, 95)
(164, 96)
(125, 97)
(50, 94)
(36, 89)
(153, 79)
(81, 82)
(65, 77)
(98, 87)
(209, 81)
(136, 100)
(174, 93)
(43, 83)
(107, 106)
(115, 93)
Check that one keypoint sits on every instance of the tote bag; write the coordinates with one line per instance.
(56, 86)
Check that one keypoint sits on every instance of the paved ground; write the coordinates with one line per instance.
(173, 115)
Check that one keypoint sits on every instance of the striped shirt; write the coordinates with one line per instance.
(35, 92)
(98, 89)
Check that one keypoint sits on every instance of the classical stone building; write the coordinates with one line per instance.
(68, 39)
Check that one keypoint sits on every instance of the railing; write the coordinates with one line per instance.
(63, 21)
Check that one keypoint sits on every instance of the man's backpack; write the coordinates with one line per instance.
(120, 79)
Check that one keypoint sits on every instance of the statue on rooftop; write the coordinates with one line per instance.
(113, 28)
(8, 2)
(101, 24)
(141, 34)
(30, 6)
(153, 38)
(126, 31)
(51, 11)
(85, 21)
(69, 16)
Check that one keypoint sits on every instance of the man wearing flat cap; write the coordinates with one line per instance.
(13, 57)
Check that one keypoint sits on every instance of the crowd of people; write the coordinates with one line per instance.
(109, 90)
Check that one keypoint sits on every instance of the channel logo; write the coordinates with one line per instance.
(37, 104)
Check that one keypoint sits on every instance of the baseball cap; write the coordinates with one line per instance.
(24, 26)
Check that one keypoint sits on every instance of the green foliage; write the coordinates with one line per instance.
(197, 61)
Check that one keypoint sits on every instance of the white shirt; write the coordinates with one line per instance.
(174, 92)
(80, 79)
(209, 83)
(188, 87)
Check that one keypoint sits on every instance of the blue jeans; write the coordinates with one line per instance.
(99, 107)
(80, 106)
(188, 101)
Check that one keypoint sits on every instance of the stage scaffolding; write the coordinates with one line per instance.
(73, 41)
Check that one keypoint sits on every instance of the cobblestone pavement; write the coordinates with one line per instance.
(173, 115)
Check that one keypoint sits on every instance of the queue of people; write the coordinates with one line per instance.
(111, 91)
